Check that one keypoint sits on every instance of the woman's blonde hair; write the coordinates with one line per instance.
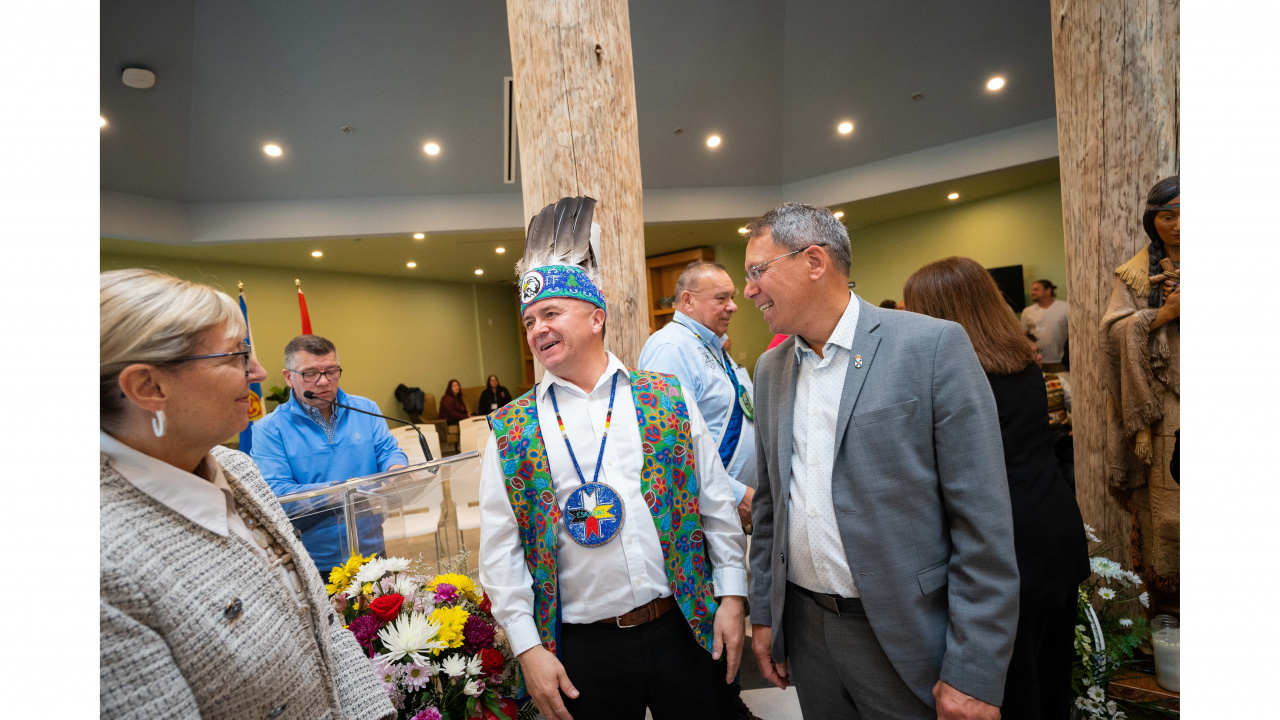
(150, 317)
(961, 290)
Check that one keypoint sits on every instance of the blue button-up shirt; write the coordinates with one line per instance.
(297, 451)
(696, 356)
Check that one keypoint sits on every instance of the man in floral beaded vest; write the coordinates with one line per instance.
(610, 543)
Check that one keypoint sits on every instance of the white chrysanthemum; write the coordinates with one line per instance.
(1146, 601)
(406, 586)
(371, 571)
(455, 666)
(473, 666)
(1104, 567)
(1126, 622)
(410, 637)
(417, 676)
(473, 688)
(394, 564)
(1096, 694)
(1106, 593)
(1132, 577)
(1091, 533)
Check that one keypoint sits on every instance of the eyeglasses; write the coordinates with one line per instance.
(313, 375)
(753, 274)
(247, 353)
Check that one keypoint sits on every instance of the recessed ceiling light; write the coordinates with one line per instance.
(953, 196)
(419, 236)
(431, 149)
(995, 83)
(479, 271)
(742, 230)
(845, 127)
(316, 253)
(272, 150)
(713, 141)
(411, 264)
(102, 122)
(500, 250)
(838, 213)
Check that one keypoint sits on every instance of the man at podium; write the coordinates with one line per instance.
(311, 442)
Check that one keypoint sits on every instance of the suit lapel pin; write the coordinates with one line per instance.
(857, 361)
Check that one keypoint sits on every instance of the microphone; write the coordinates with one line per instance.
(422, 439)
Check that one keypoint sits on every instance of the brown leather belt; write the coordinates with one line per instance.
(648, 612)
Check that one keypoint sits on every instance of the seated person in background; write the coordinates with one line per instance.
(310, 443)
(493, 397)
(1059, 391)
(889, 304)
(452, 408)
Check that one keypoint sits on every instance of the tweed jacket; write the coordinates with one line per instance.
(920, 497)
(195, 625)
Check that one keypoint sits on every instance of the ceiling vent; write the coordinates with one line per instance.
(508, 130)
(140, 78)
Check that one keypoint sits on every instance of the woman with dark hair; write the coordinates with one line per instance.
(494, 396)
(452, 408)
(1142, 336)
(1048, 532)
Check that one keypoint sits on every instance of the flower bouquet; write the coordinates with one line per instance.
(431, 639)
(1109, 628)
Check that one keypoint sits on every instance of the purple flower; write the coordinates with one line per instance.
(446, 593)
(477, 634)
(428, 713)
(365, 628)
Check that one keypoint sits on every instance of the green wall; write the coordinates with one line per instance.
(1023, 227)
(388, 330)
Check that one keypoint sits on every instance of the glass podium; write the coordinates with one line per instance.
(406, 512)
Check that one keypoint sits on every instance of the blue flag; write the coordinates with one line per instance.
(255, 389)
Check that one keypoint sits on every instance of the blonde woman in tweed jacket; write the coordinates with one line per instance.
(210, 607)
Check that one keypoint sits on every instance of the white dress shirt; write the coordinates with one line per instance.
(818, 561)
(629, 571)
(205, 501)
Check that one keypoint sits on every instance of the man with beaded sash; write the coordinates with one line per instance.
(610, 544)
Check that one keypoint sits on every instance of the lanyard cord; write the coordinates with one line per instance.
(604, 437)
(726, 366)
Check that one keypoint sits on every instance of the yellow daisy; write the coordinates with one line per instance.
(451, 621)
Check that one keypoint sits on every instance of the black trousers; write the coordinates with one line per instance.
(620, 671)
(1038, 686)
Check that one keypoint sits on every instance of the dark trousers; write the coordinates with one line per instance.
(1038, 686)
(620, 671)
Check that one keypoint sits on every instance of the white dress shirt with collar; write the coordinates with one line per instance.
(205, 501)
(818, 561)
(629, 571)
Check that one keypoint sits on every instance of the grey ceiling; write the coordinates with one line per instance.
(772, 77)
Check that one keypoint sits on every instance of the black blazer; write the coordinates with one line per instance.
(1048, 531)
(487, 399)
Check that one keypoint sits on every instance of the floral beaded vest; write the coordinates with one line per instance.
(667, 482)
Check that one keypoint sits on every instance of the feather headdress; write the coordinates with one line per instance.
(562, 254)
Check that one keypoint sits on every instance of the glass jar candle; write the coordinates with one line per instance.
(1165, 642)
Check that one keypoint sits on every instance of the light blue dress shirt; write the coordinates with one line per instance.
(686, 351)
(296, 453)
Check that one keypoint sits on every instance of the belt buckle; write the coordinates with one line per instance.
(833, 606)
(618, 621)
(647, 606)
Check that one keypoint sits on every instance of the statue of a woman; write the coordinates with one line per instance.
(1141, 334)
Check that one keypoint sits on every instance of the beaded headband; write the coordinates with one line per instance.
(565, 281)
(1162, 208)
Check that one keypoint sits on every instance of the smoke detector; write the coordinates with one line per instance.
(140, 78)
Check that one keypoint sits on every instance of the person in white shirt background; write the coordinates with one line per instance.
(1046, 318)
(596, 532)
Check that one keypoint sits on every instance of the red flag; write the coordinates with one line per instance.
(302, 307)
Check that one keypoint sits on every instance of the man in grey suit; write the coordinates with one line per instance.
(884, 582)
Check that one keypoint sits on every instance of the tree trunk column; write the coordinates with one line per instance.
(576, 113)
(1115, 67)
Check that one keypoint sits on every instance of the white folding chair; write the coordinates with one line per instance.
(465, 488)
(407, 439)
(473, 436)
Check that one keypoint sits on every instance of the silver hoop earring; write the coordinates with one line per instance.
(157, 423)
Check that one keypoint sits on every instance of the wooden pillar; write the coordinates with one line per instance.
(576, 112)
(1115, 67)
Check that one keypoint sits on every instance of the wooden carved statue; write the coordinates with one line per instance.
(1141, 335)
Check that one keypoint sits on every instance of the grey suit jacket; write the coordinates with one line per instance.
(921, 501)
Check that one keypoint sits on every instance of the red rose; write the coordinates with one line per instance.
(386, 607)
(485, 605)
(491, 662)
